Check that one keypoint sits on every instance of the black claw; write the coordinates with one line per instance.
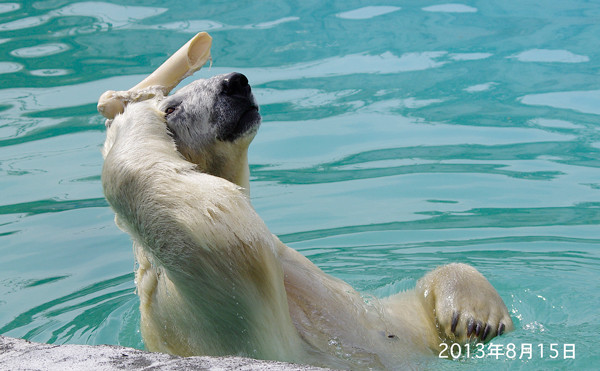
(454, 322)
(501, 329)
(486, 331)
(470, 327)
(478, 329)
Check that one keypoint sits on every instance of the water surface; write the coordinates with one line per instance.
(397, 137)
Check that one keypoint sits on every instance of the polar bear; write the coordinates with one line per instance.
(212, 279)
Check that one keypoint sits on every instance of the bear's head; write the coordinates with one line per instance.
(213, 122)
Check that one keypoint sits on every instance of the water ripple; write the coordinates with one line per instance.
(51, 206)
(438, 160)
(42, 50)
(9, 7)
(115, 15)
(393, 140)
(553, 56)
(10, 67)
(87, 308)
(450, 8)
(583, 101)
(582, 214)
(367, 12)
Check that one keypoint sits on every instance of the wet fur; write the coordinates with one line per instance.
(213, 280)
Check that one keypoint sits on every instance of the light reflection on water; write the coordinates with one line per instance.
(581, 101)
(394, 139)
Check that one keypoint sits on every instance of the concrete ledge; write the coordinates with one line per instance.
(19, 354)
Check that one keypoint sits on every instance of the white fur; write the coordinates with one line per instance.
(213, 280)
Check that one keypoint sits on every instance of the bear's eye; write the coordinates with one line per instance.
(170, 110)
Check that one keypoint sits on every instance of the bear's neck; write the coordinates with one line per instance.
(232, 166)
(238, 172)
(227, 160)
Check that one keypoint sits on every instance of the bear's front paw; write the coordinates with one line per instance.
(465, 306)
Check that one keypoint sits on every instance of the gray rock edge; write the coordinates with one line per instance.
(23, 355)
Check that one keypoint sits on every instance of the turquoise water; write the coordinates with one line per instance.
(397, 136)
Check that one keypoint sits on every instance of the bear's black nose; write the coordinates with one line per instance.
(236, 84)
